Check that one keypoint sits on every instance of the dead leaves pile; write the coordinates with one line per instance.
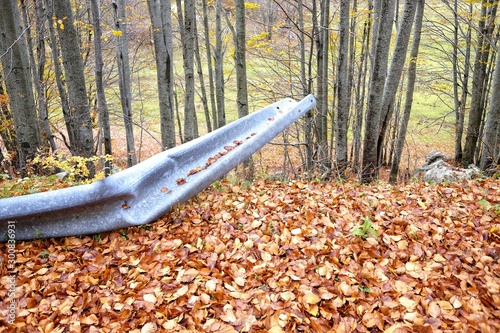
(277, 258)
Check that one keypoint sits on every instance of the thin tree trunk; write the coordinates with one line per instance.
(161, 21)
(203, 90)
(412, 74)
(343, 87)
(361, 89)
(187, 37)
(15, 65)
(395, 71)
(485, 34)
(102, 104)
(321, 129)
(308, 118)
(7, 131)
(369, 169)
(219, 66)
(211, 82)
(124, 81)
(241, 75)
(460, 101)
(38, 72)
(61, 88)
(75, 79)
(491, 139)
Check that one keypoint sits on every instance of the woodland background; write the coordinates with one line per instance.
(128, 79)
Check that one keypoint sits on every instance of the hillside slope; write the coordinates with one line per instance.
(275, 258)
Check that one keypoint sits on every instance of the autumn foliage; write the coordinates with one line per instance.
(277, 257)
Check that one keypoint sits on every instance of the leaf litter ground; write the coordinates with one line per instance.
(276, 258)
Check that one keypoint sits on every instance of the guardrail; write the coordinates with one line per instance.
(146, 192)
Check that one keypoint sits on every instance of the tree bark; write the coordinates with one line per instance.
(102, 104)
(479, 76)
(219, 66)
(395, 71)
(38, 72)
(412, 74)
(321, 129)
(160, 14)
(75, 79)
(199, 67)
(383, 21)
(16, 68)
(208, 48)
(124, 81)
(343, 87)
(7, 128)
(491, 140)
(187, 37)
(241, 74)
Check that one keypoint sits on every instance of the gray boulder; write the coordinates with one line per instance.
(437, 170)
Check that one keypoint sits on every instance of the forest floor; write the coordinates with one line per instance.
(275, 257)
(272, 256)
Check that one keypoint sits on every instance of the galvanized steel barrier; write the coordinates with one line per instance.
(147, 191)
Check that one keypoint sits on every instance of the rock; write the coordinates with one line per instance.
(62, 175)
(437, 170)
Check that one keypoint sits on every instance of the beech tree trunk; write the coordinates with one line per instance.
(160, 14)
(124, 81)
(241, 74)
(201, 78)
(321, 39)
(208, 48)
(383, 25)
(479, 77)
(412, 75)
(187, 37)
(16, 68)
(102, 104)
(219, 66)
(75, 78)
(38, 72)
(343, 87)
(395, 71)
(489, 158)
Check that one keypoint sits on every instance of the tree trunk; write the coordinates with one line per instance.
(102, 104)
(343, 87)
(491, 140)
(124, 81)
(485, 35)
(61, 87)
(361, 90)
(161, 21)
(15, 64)
(395, 71)
(241, 74)
(412, 74)
(219, 66)
(7, 128)
(75, 79)
(187, 37)
(308, 118)
(321, 129)
(199, 66)
(211, 82)
(38, 72)
(377, 80)
(460, 98)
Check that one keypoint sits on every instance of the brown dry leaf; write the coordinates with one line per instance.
(277, 257)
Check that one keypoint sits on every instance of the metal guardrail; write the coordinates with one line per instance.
(147, 191)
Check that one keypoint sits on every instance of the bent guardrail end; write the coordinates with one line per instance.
(147, 191)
